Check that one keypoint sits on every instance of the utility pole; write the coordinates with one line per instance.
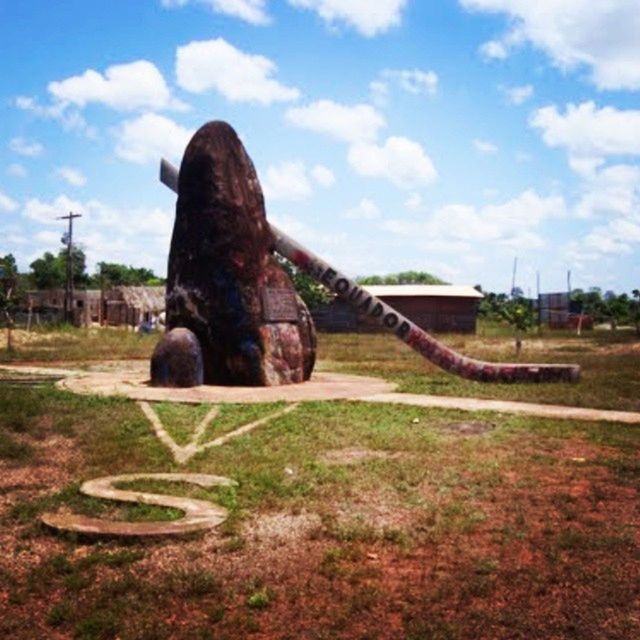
(67, 239)
(513, 279)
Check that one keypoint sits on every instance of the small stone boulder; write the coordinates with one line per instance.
(177, 360)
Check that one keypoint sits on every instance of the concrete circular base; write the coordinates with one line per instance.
(322, 386)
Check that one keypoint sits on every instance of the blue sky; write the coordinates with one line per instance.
(446, 136)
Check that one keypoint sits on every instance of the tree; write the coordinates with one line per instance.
(616, 308)
(312, 293)
(8, 293)
(49, 271)
(518, 312)
(112, 274)
(404, 277)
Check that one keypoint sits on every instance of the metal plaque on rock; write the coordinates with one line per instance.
(279, 305)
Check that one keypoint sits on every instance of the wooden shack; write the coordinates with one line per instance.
(435, 308)
(133, 305)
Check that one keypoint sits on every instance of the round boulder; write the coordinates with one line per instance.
(177, 360)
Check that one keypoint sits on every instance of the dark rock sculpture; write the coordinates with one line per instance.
(177, 360)
(224, 283)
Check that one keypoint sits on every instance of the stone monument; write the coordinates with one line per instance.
(224, 283)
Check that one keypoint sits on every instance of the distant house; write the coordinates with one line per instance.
(435, 308)
(117, 306)
(47, 305)
(133, 305)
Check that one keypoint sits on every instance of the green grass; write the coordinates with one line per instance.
(489, 535)
(610, 376)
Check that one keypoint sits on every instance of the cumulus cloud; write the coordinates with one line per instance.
(292, 181)
(251, 11)
(366, 209)
(357, 123)
(512, 223)
(485, 147)
(72, 176)
(69, 117)
(600, 35)
(149, 137)
(47, 212)
(7, 204)
(613, 191)
(30, 149)
(287, 181)
(124, 87)
(584, 130)
(368, 18)
(240, 77)
(401, 161)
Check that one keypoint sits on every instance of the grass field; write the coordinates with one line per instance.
(349, 520)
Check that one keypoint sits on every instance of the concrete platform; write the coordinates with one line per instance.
(135, 385)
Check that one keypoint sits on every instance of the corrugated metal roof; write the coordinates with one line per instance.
(424, 290)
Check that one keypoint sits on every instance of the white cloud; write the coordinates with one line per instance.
(368, 18)
(292, 180)
(7, 204)
(609, 239)
(494, 50)
(485, 147)
(16, 170)
(414, 81)
(459, 226)
(149, 137)
(323, 176)
(586, 131)
(286, 181)
(48, 212)
(365, 210)
(399, 160)
(251, 11)
(70, 118)
(48, 238)
(360, 122)
(613, 191)
(129, 235)
(73, 176)
(136, 85)
(25, 147)
(518, 95)
(601, 35)
(240, 77)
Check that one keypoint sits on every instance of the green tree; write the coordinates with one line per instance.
(403, 277)
(9, 295)
(113, 274)
(616, 308)
(313, 293)
(49, 271)
(518, 313)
